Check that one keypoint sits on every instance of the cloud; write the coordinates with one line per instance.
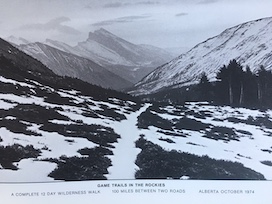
(54, 24)
(208, 1)
(148, 2)
(122, 4)
(115, 5)
(126, 19)
(181, 14)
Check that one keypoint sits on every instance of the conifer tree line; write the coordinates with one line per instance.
(238, 87)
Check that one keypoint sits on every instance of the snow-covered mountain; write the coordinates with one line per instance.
(130, 61)
(110, 49)
(67, 64)
(249, 43)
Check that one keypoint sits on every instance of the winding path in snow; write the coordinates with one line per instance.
(125, 152)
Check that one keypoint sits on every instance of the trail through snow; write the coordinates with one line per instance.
(123, 166)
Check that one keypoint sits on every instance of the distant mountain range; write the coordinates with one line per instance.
(67, 64)
(131, 62)
(102, 49)
(249, 43)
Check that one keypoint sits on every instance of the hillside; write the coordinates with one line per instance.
(248, 43)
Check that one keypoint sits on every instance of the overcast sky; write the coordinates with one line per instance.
(163, 23)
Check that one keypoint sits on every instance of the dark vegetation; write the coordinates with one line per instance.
(166, 140)
(35, 113)
(110, 113)
(28, 113)
(267, 150)
(156, 163)
(148, 118)
(191, 124)
(239, 87)
(91, 167)
(15, 153)
(268, 163)
(176, 96)
(188, 121)
(98, 134)
(17, 126)
(222, 133)
(258, 121)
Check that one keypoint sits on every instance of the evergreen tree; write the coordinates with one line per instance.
(264, 86)
(231, 83)
(250, 88)
(243, 88)
(221, 89)
(205, 88)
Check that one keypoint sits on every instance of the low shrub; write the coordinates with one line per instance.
(92, 167)
(15, 153)
(98, 134)
(147, 119)
(268, 163)
(156, 163)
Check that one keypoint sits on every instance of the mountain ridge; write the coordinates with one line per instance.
(127, 60)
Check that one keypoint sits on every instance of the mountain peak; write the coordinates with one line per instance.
(101, 32)
(128, 60)
(49, 40)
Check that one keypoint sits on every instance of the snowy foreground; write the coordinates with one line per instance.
(222, 133)
(240, 138)
(54, 145)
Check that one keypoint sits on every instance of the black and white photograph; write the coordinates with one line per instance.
(148, 90)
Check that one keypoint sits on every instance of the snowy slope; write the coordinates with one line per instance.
(249, 43)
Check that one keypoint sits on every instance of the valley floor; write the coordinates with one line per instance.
(99, 137)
